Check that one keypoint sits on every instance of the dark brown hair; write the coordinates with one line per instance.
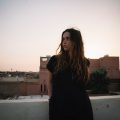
(77, 60)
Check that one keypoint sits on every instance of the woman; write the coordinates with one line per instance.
(68, 74)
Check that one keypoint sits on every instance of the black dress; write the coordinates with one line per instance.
(69, 100)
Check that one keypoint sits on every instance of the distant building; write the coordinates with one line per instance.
(11, 86)
(31, 84)
(109, 63)
(43, 75)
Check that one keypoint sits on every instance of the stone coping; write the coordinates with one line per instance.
(46, 99)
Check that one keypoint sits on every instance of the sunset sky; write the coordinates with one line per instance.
(32, 28)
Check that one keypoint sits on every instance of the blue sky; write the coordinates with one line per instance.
(32, 28)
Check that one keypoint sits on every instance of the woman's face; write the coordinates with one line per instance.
(66, 41)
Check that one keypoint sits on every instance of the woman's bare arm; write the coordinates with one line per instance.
(49, 83)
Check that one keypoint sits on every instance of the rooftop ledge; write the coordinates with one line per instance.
(104, 108)
(33, 99)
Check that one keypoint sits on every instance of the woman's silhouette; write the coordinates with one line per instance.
(68, 75)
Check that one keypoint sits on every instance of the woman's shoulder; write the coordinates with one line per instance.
(87, 61)
(51, 63)
(53, 58)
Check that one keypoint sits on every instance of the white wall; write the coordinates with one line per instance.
(104, 108)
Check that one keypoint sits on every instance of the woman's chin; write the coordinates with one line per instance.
(65, 49)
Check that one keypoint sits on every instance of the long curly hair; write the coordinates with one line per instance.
(76, 60)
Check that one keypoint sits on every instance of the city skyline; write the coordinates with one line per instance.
(30, 29)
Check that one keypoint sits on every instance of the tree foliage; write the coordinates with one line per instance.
(98, 81)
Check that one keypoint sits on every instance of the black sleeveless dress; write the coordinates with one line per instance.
(69, 100)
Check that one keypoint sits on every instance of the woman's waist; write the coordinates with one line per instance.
(68, 87)
(69, 96)
(68, 91)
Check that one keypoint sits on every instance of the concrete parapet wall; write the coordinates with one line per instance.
(104, 108)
